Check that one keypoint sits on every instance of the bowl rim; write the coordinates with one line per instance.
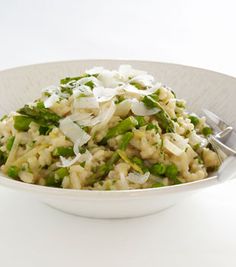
(125, 60)
(74, 193)
(8, 182)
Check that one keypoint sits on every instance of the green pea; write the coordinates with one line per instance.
(172, 172)
(158, 169)
(206, 131)
(194, 120)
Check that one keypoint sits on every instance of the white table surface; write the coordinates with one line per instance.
(200, 231)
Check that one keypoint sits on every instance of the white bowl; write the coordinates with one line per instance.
(201, 89)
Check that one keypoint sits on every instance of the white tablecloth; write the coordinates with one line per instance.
(200, 231)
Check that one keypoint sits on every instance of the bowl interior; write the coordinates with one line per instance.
(200, 88)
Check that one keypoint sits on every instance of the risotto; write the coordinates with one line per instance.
(106, 130)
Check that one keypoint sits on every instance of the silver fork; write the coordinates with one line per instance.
(224, 152)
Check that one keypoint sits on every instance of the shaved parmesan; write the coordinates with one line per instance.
(51, 89)
(73, 131)
(95, 70)
(144, 80)
(138, 178)
(109, 79)
(85, 80)
(123, 108)
(172, 148)
(51, 100)
(139, 109)
(86, 156)
(68, 162)
(178, 140)
(195, 139)
(133, 90)
(86, 119)
(65, 162)
(105, 94)
(82, 90)
(105, 116)
(79, 116)
(126, 71)
(88, 102)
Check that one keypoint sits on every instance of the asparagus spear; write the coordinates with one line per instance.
(40, 115)
(124, 156)
(140, 163)
(162, 116)
(121, 128)
(10, 142)
(63, 151)
(104, 169)
(165, 122)
(141, 121)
